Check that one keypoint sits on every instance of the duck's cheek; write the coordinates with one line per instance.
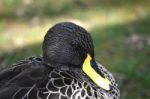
(75, 60)
(58, 52)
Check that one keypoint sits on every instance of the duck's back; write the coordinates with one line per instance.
(33, 79)
(22, 79)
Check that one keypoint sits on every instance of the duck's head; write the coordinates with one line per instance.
(69, 44)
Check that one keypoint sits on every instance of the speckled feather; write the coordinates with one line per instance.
(57, 74)
(33, 79)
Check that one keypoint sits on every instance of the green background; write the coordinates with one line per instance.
(120, 31)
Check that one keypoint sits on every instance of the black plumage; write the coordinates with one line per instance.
(57, 74)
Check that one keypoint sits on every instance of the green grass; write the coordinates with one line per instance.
(112, 24)
(115, 54)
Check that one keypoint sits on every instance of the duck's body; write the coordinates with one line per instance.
(44, 78)
(33, 79)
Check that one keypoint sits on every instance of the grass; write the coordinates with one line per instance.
(124, 58)
(120, 32)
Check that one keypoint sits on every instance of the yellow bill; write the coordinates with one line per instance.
(93, 75)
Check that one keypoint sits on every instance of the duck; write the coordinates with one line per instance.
(67, 69)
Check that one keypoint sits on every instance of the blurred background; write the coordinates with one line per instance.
(120, 30)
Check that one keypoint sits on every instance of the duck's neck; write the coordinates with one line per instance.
(61, 66)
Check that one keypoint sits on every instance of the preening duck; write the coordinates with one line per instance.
(66, 70)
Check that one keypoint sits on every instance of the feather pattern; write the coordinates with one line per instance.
(34, 79)
(58, 73)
